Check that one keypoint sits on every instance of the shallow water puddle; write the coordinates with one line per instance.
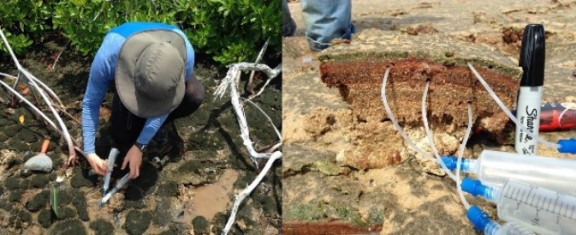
(210, 199)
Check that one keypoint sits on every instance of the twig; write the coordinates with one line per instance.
(63, 110)
(34, 108)
(32, 82)
(248, 86)
(59, 106)
(267, 117)
(59, 54)
(265, 84)
(15, 81)
(243, 66)
(39, 112)
(44, 86)
(240, 197)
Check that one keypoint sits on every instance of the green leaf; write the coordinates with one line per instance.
(79, 3)
(54, 201)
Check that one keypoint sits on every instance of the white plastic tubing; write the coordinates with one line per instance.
(456, 177)
(507, 111)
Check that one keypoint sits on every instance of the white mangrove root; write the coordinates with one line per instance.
(33, 81)
(231, 82)
(240, 197)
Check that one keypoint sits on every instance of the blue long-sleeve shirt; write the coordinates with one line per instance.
(102, 74)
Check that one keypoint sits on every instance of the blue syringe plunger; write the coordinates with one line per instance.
(567, 145)
(474, 187)
(449, 161)
(478, 218)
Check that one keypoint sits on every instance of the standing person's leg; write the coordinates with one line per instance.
(327, 20)
(288, 24)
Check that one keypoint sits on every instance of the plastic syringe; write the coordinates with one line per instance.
(482, 222)
(119, 184)
(539, 209)
(111, 159)
(493, 168)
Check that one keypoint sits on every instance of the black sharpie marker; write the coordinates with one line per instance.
(530, 94)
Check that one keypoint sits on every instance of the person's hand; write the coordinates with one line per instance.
(98, 165)
(134, 160)
(72, 160)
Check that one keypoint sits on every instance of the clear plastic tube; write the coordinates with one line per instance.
(409, 141)
(482, 222)
(119, 184)
(507, 111)
(430, 136)
(395, 122)
(507, 229)
(539, 209)
(493, 168)
(460, 154)
(111, 159)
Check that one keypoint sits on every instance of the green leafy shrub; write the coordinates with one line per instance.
(24, 21)
(226, 30)
(85, 23)
(230, 30)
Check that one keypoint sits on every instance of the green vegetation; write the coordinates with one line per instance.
(225, 31)
(24, 21)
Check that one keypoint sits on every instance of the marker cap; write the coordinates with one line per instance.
(532, 55)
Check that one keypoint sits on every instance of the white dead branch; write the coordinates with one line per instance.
(251, 78)
(240, 197)
(42, 89)
(231, 82)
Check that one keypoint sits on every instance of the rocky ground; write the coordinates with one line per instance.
(323, 194)
(191, 196)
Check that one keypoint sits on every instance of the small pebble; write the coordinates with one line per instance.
(39, 163)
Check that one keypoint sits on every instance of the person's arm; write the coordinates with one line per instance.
(100, 77)
(133, 158)
(151, 126)
(189, 55)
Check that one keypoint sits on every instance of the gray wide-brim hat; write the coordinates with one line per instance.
(150, 72)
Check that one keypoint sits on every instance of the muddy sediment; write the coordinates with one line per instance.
(162, 200)
(357, 70)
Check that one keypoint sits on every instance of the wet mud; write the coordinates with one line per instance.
(191, 195)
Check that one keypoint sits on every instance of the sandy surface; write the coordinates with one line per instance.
(403, 198)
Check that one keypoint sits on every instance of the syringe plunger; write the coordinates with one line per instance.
(478, 218)
(482, 222)
(542, 210)
(476, 188)
(567, 145)
(493, 168)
